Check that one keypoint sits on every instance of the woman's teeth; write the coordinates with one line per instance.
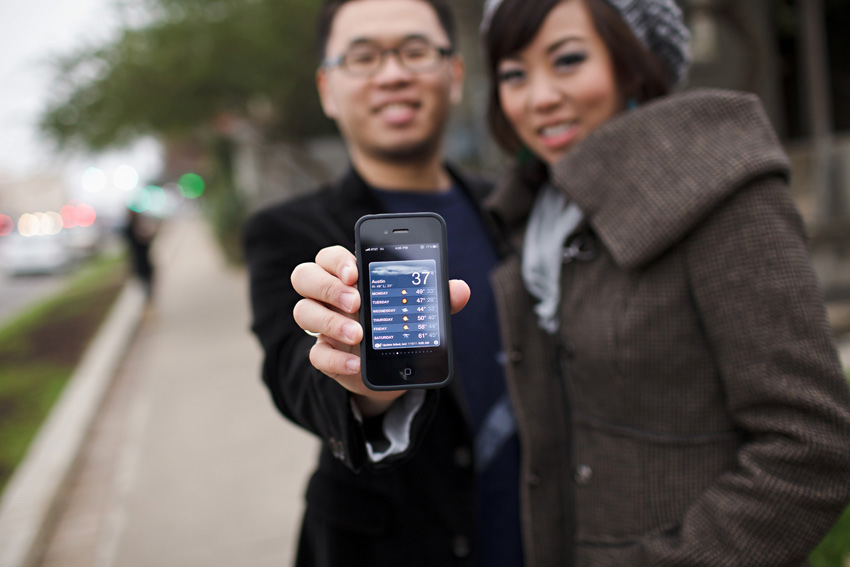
(557, 130)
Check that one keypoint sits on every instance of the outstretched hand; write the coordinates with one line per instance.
(330, 309)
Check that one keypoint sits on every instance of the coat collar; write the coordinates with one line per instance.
(647, 177)
(351, 197)
(352, 192)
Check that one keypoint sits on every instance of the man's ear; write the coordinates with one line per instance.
(458, 71)
(325, 97)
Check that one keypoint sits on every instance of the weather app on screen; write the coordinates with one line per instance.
(405, 306)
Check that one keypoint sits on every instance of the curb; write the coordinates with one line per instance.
(31, 498)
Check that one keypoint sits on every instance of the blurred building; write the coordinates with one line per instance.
(792, 54)
(43, 192)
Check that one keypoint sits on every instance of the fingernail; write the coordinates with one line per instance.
(348, 300)
(350, 331)
(353, 364)
(345, 273)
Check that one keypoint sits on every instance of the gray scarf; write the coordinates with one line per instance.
(552, 221)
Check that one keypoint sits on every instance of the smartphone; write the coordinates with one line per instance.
(403, 281)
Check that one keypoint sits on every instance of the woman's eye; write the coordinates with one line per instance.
(569, 60)
(511, 75)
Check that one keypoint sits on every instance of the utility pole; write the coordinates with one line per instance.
(814, 64)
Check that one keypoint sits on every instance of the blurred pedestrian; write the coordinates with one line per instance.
(139, 232)
(679, 396)
(416, 478)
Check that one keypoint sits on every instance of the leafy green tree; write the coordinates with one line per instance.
(192, 61)
(184, 74)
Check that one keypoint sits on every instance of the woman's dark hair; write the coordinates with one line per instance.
(331, 7)
(641, 75)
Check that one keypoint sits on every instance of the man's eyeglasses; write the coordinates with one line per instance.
(366, 60)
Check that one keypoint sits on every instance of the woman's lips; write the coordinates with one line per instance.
(558, 135)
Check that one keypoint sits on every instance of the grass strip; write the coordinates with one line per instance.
(40, 349)
(834, 550)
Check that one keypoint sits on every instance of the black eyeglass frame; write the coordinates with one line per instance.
(339, 60)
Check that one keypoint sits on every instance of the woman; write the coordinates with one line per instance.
(678, 394)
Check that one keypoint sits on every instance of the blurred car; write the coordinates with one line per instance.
(24, 255)
(84, 241)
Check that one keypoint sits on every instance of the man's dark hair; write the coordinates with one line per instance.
(330, 8)
(640, 74)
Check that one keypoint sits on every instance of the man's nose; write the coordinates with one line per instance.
(392, 70)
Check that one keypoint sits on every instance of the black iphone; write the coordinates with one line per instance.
(403, 280)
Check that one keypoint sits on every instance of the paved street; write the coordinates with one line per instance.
(18, 293)
(189, 464)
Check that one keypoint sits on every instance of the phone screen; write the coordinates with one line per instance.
(405, 307)
(405, 297)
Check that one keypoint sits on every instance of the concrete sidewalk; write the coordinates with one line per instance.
(188, 464)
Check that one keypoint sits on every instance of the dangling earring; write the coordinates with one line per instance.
(631, 104)
(524, 154)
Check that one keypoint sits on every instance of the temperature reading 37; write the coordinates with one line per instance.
(420, 279)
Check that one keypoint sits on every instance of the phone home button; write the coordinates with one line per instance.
(407, 371)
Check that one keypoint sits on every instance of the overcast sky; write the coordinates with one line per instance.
(30, 32)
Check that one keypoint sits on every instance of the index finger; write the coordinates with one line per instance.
(312, 281)
(340, 262)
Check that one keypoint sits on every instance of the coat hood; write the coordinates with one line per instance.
(647, 177)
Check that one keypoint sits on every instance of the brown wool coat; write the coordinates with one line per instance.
(691, 410)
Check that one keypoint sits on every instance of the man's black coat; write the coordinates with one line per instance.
(417, 508)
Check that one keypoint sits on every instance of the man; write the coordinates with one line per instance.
(403, 479)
